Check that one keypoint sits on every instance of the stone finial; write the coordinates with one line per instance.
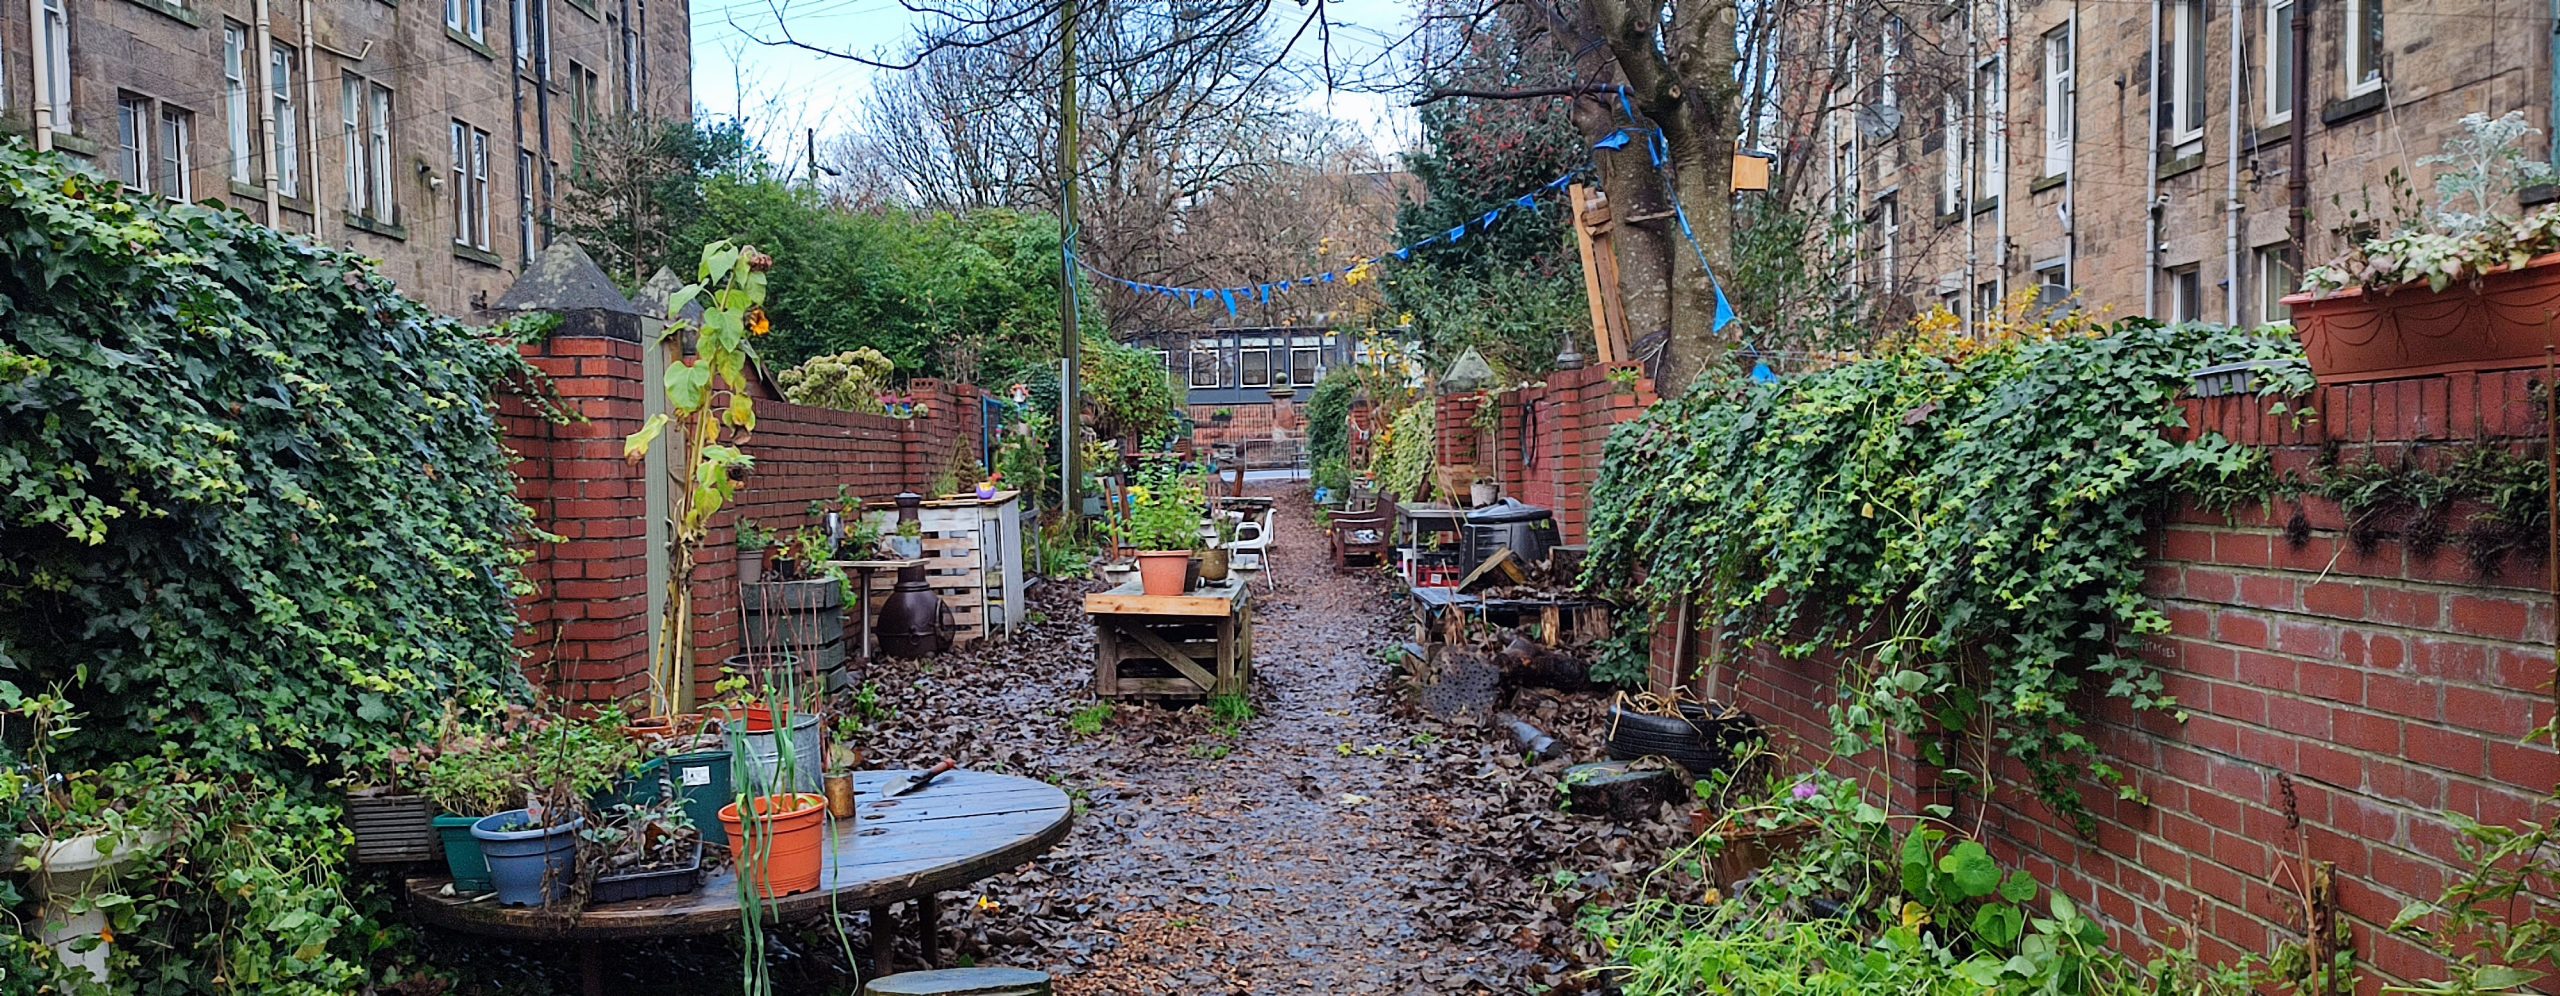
(563, 279)
(1471, 372)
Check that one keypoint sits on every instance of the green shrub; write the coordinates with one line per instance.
(260, 518)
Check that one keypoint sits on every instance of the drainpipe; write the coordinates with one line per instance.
(2151, 179)
(264, 73)
(311, 106)
(2297, 184)
(2231, 207)
(43, 66)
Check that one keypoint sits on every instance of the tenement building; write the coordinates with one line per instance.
(434, 135)
(2172, 158)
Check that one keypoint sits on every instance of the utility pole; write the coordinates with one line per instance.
(1070, 337)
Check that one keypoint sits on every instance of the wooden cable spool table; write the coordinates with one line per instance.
(962, 827)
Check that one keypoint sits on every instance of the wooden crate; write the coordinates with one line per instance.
(1186, 646)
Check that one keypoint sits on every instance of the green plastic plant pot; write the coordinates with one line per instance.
(462, 856)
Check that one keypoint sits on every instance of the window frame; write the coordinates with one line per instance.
(2182, 61)
(1314, 367)
(2186, 292)
(55, 35)
(1889, 237)
(1890, 74)
(1992, 165)
(468, 18)
(134, 123)
(2277, 21)
(177, 153)
(2267, 264)
(280, 66)
(1951, 172)
(378, 158)
(2061, 99)
(240, 127)
(524, 206)
(1244, 366)
(1215, 361)
(351, 140)
(2364, 24)
(469, 147)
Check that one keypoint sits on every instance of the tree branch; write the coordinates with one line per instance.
(1437, 94)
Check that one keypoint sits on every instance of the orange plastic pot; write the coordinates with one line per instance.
(1161, 572)
(788, 848)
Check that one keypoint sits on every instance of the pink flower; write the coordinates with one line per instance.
(1806, 790)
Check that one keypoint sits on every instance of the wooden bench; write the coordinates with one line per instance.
(1193, 645)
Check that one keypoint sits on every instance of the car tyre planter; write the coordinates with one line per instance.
(2501, 321)
(784, 851)
(532, 866)
(1694, 741)
(391, 828)
(1163, 572)
(649, 884)
(462, 857)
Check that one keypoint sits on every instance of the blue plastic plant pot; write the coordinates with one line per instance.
(462, 855)
(529, 867)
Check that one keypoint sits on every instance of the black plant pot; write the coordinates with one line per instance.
(1694, 741)
(649, 884)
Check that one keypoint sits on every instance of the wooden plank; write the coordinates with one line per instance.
(1172, 688)
(1503, 568)
(1165, 652)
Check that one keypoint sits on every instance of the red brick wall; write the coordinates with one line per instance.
(1252, 421)
(1549, 447)
(587, 624)
(2338, 701)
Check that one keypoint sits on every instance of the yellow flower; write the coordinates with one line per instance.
(757, 323)
(1138, 493)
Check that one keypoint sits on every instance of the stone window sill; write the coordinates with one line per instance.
(367, 223)
(2042, 184)
(468, 42)
(478, 255)
(170, 9)
(2339, 112)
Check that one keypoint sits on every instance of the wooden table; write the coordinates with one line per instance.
(862, 570)
(1418, 519)
(964, 826)
(1191, 645)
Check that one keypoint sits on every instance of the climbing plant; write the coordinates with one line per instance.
(259, 517)
(1965, 526)
(1329, 427)
(1401, 461)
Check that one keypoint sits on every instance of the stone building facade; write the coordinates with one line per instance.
(2136, 155)
(434, 135)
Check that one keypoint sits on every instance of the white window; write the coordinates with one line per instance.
(2182, 63)
(235, 101)
(378, 153)
(2186, 294)
(521, 40)
(2279, 62)
(2276, 278)
(1304, 362)
(2053, 285)
(1993, 105)
(1986, 303)
(1890, 95)
(57, 62)
(1257, 366)
(1889, 239)
(630, 67)
(1845, 166)
(351, 140)
(468, 17)
(470, 186)
(133, 142)
(288, 127)
(365, 128)
(2060, 106)
(1951, 176)
(2363, 47)
(1205, 370)
(177, 154)
(524, 205)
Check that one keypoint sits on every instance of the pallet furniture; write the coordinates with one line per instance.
(1187, 646)
(964, 826)
(973, 561)
(1443, 615)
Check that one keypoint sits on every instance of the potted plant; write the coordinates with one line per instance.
(907, 541)
(79, 830)
(760, 699)
(780, 848)
(642, 850)
(1483, 491)
(518, 789)
(1162, 525)
(987, 486)
(1222, 416)
(391, 824)
(754, 543)
(2459, 286)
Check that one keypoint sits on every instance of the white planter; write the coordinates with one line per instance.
(1481, 494)
(64, 870)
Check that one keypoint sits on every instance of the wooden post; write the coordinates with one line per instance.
(1592, 225)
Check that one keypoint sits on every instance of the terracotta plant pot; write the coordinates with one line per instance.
(2499, 322)
(785, 849)
(1162, 572)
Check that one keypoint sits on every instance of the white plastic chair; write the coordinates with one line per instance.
(1251, 550)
